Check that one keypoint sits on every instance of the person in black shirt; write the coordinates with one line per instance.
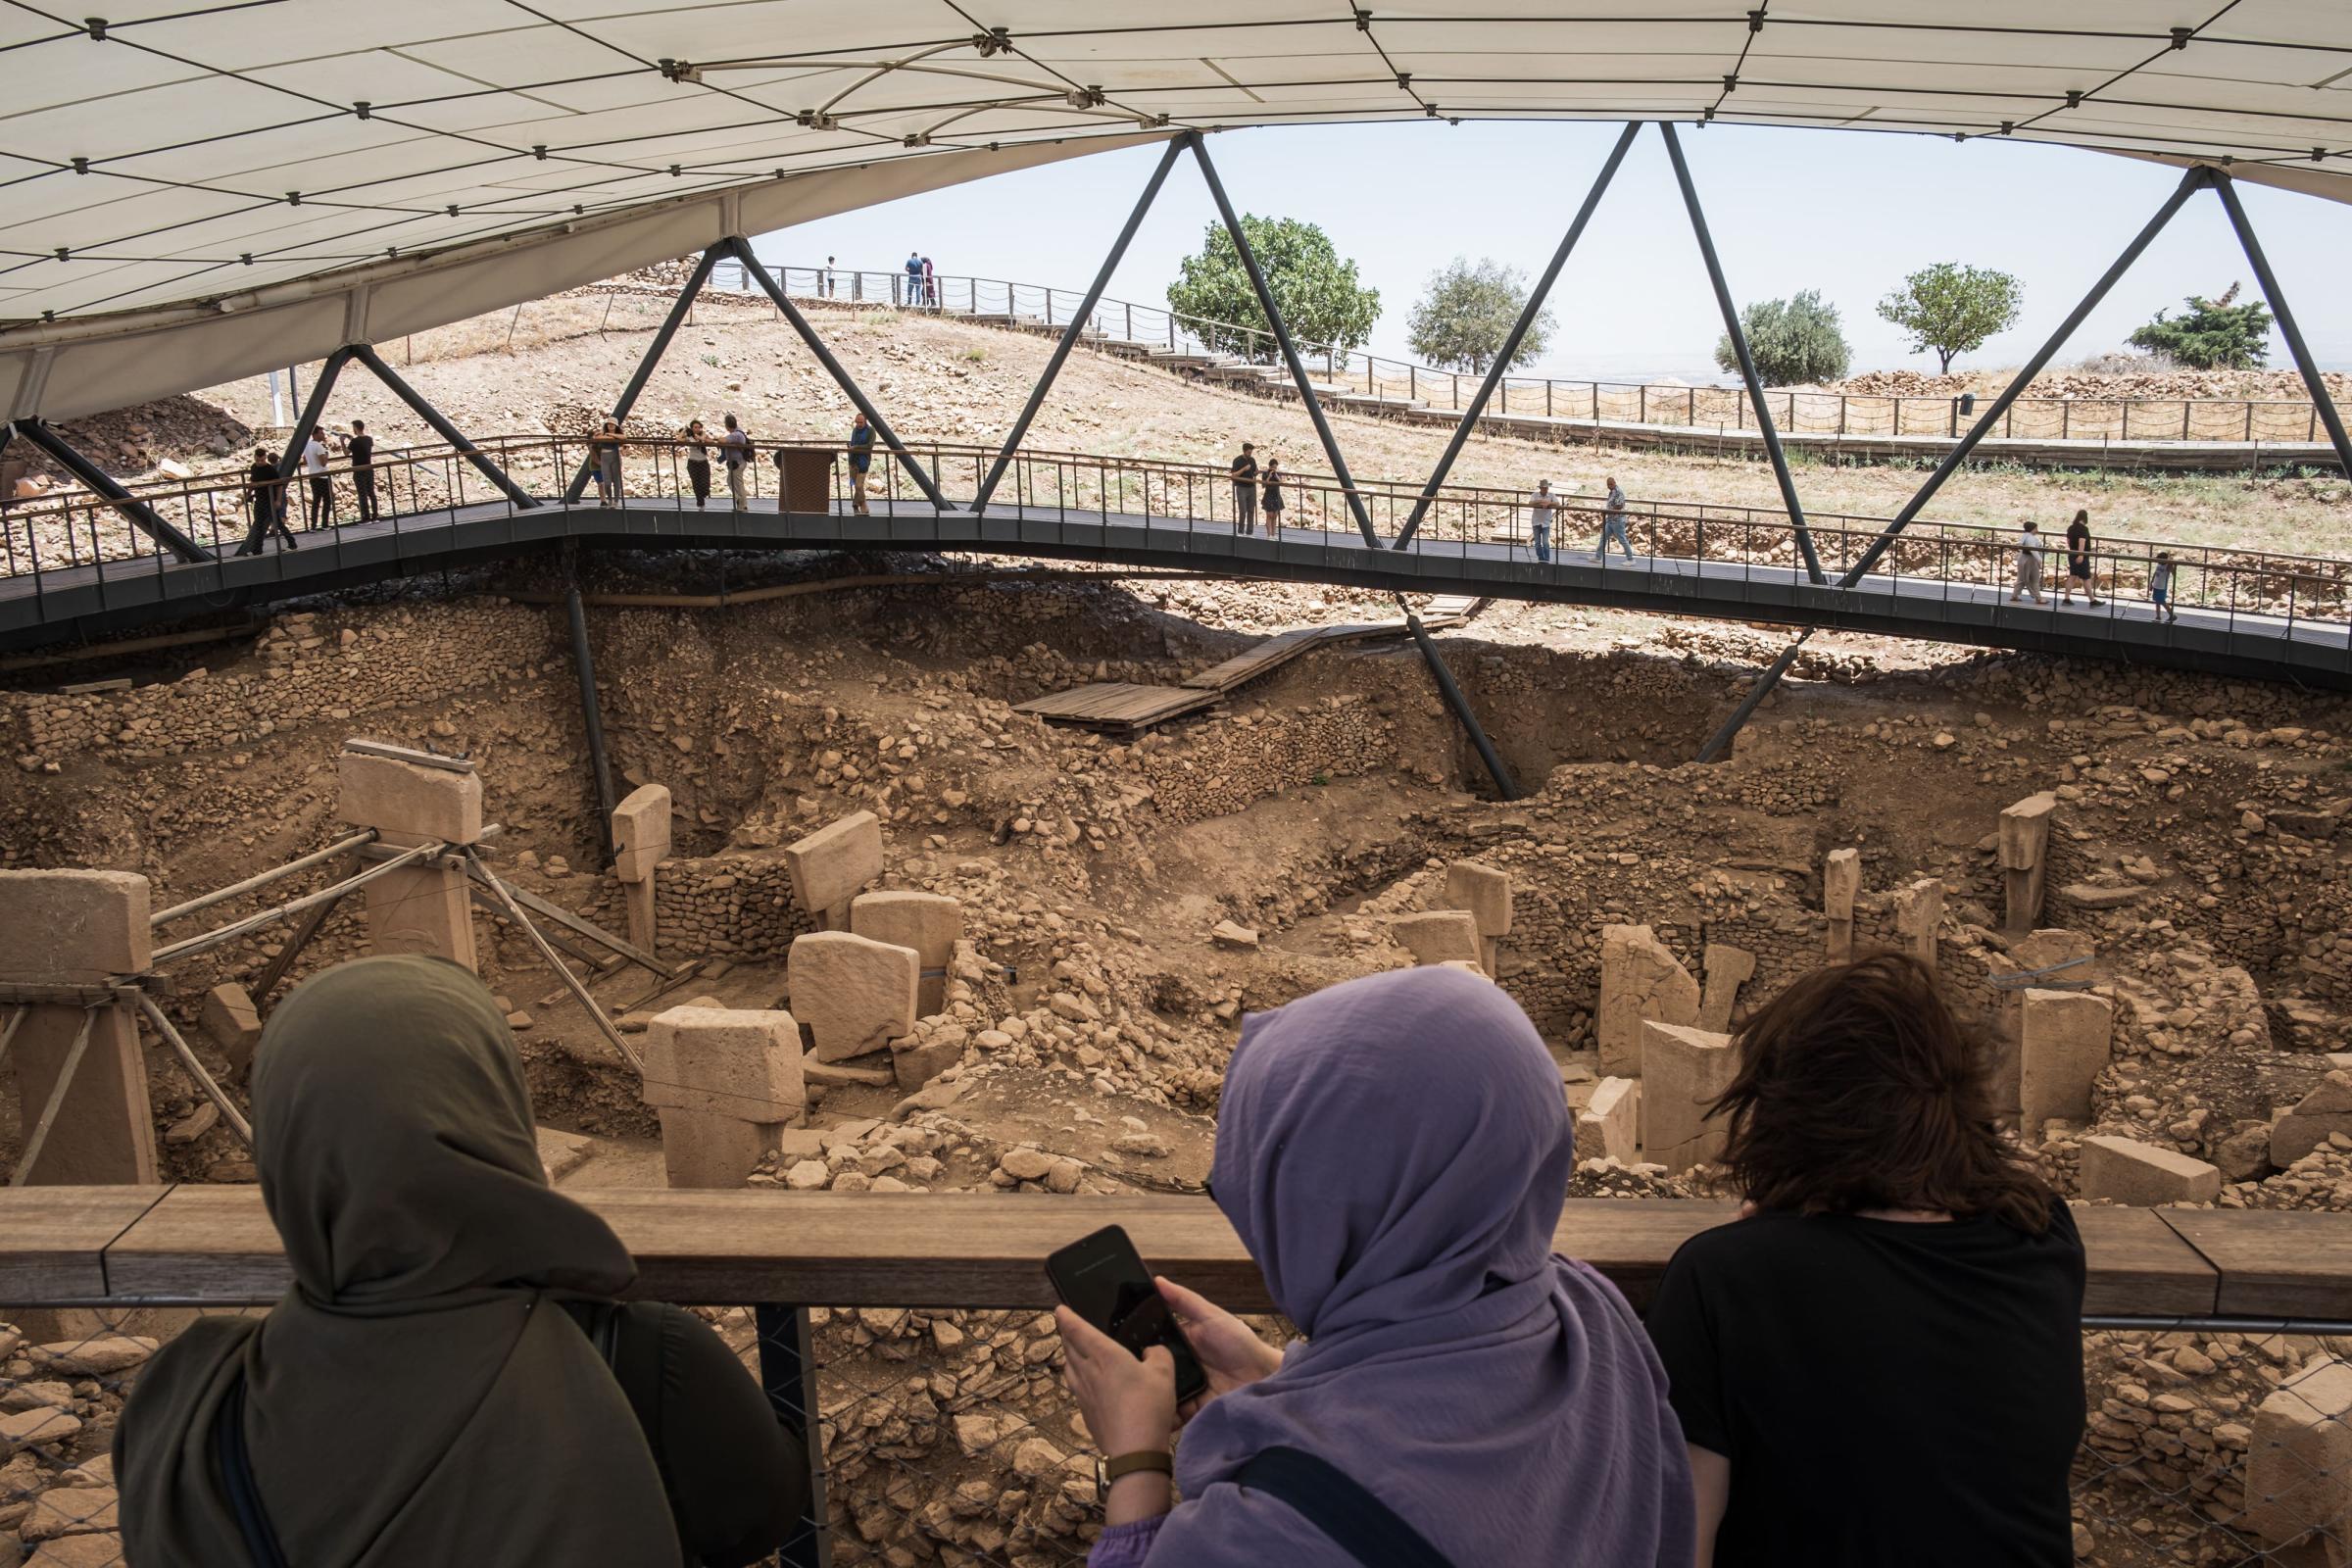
(265, 497)
(1272, 501)
(1244, 490)
(2079, 568)
(1881, 1361)
(361, 449)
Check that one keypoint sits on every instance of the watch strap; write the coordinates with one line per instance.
(1127, 1464)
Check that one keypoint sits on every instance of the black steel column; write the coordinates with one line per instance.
(2190, 184)
(1460, 705)
(1281, 337)
(448, 432)
(654, 351)
(1747, 361)
(1511, 344)
(313, 407)
(143, 517)
(1078, 323)
(1719, 742)
(592, 714)
(2226, 188)
(742, 252)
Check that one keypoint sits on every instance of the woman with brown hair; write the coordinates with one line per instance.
(1881, 1361)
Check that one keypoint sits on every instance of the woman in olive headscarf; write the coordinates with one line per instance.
(425, 1391)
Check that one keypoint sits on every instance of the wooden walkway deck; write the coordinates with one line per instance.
(1124, 708)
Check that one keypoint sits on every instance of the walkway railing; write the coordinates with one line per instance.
(2234, 420)
(1082, 488)
(929, 1366)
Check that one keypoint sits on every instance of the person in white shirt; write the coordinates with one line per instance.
(735, 450)
(2028, 563)
(319, 506)
(1539, 510)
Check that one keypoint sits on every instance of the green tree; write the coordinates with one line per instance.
(2213, 336)
(1950, 309)
(1466, 313)
(1794, 340)
(1316, 291)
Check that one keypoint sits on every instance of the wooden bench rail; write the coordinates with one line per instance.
(213, 1244)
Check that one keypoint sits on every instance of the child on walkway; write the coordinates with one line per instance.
(2160, 586)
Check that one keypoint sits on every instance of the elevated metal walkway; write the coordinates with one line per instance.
(2240, 613)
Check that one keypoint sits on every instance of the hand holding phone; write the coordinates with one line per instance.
(1103, 1280)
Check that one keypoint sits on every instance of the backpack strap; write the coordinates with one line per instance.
(1357, 1522)
(236, 1473)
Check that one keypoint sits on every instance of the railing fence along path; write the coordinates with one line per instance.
(1358, 373)
(434, 482)
(904, 1337)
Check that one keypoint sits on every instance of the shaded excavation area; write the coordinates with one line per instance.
(849, 914)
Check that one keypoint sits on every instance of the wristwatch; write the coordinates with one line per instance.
(1126, 1464)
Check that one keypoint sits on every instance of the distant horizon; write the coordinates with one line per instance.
(1847, 214)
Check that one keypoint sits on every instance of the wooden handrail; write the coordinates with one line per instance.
(215, 1245)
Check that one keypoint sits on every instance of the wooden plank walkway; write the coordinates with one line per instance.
(213, 1244)
(1124, 709)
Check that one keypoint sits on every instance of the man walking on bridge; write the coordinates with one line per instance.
(861, 459)
(1539, 509)
(1245, 491)
(1613, 524)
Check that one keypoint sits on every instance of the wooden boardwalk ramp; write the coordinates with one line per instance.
(1124, 709)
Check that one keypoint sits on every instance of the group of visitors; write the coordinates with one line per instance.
(450, 1378)
(735, 456)
(2081, 569)
(1542, 508)
(1257, 489)
(922, 283)
(267, 503)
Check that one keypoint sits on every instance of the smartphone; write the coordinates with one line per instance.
(1102, 1278)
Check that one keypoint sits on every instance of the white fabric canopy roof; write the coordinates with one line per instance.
(179, 153)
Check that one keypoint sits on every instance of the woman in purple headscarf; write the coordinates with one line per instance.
(1393, 1153)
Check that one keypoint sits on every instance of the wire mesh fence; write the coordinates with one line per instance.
(944, 1437)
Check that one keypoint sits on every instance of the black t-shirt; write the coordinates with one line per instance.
(1244, 469)
(361, 449)
(1886, 1391)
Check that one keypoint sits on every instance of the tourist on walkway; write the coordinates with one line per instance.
(1272, 501)
(930, 285)
(697, 461)
(1244, 490)
(861, 462)
(1613, 524)
(1540, 508)
(735, 450)
(265, 501)
(1898, 1256)
(2079, 568)
(2160, 586)
(448, 1379)
(825, 280)
(359, 446)
(318, 487)
(2028, 563)
(1459, 1382)
(603, 455)
(915, 280)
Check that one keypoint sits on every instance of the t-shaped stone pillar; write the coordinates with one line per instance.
(641, 843)
(69, 929)
(1486, 892)
(1640, 980)
(2025, 845)
(1841, 882)
(1918, 912)
(833, 865)
(413, 798)
(1684, 1072)
(928, 922)
(725, 1083)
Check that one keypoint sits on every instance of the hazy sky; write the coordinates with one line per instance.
(1847, 213)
